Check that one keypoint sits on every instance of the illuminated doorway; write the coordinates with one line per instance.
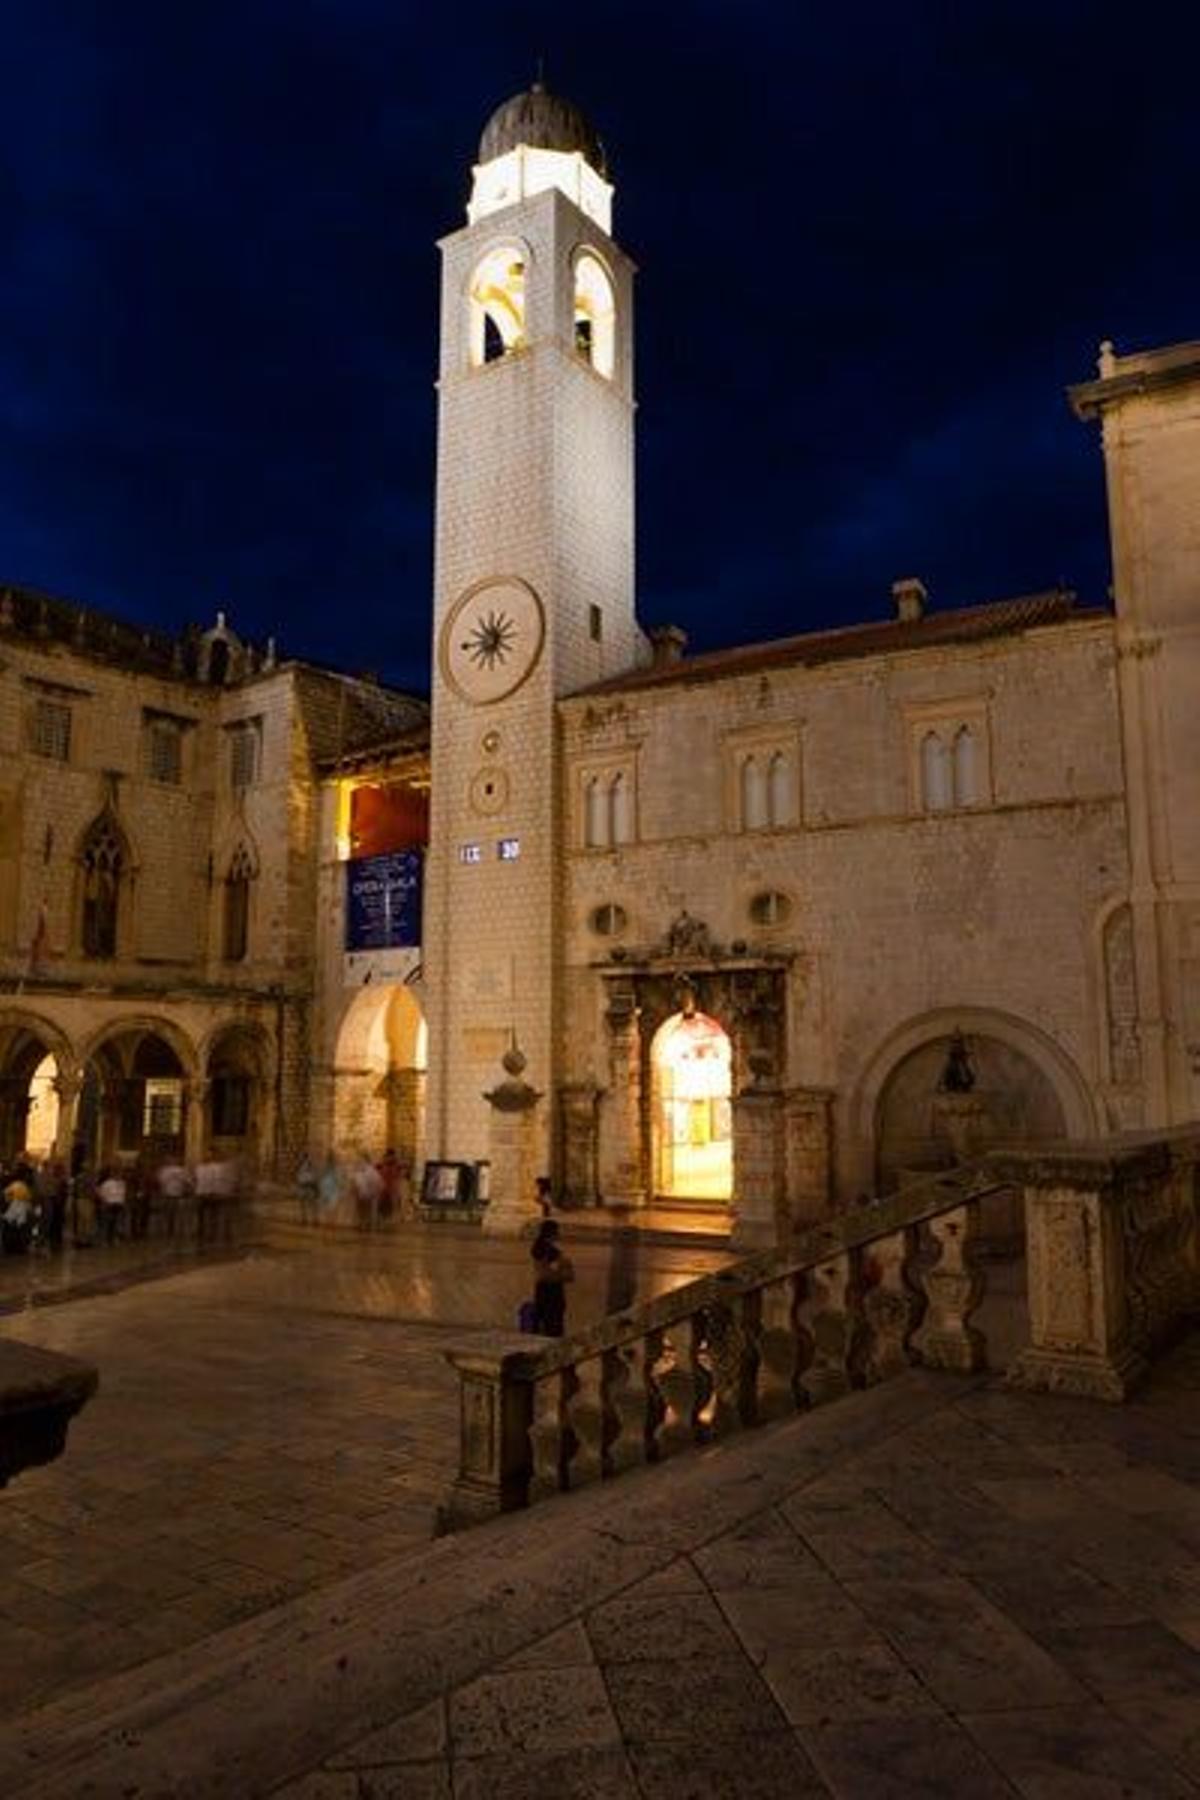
(692, 1122)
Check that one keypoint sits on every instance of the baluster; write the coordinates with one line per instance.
(891, 1308)
(784, 1350)
(583, 1409)
(953, 1288)
(627, 1407)
(547, 1436)
(677, 1388)
(835, 1322)
(732, 1359)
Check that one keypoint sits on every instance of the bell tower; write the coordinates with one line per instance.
(533, 586)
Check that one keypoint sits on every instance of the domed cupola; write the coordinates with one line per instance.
(538, 140)
(542, 121)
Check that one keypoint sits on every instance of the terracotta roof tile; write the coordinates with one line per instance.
(882, 637)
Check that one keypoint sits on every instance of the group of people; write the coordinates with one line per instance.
(42, 1206)
(374, 1194)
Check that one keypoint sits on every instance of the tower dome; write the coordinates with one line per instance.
(541, 120)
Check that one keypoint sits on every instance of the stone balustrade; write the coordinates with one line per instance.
(852, 1301)
(1112, 1235)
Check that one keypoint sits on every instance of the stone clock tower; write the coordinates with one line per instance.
(533, 587)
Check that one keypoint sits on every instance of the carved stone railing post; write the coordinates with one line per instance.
(512, 1209)
(495, 1415)
(1107, 1228)
(953, 1288)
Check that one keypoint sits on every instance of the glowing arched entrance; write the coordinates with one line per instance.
(379, 1100)
(691, 1122)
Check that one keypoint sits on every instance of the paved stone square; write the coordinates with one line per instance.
(936, 1588)
(263, 1426)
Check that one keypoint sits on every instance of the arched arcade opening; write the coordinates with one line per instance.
(379, 1075)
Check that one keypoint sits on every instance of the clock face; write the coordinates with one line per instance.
(492, 639)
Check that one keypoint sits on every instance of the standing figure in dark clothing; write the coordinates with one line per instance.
(552, 1271)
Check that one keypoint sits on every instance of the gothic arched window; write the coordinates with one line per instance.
(966, 782)
(620, 811)
(595, 814)
(236, 923)
(779, 790)
(935, 773)
(754, 794)
(104, 861)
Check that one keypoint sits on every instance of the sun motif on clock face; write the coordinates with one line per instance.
(492, 639)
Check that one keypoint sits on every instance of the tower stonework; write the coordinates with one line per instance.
(533, 587)
(1148, 404)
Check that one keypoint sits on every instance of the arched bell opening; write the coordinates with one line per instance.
(691, 1062)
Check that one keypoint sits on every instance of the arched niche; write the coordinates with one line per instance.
(1026, 1089)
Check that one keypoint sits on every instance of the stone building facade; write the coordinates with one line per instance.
(832, 910)
(931, 883)
(159, 806)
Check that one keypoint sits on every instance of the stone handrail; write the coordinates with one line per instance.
(850, 1302)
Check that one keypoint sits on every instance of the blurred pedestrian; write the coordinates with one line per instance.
(111, 1192)
(552, 1271)
(307, 1188)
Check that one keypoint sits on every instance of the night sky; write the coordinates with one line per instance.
(875, 244)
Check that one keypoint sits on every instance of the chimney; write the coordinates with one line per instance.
(668, 643)
(910, 595)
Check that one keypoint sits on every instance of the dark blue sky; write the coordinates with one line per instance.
(875, 244)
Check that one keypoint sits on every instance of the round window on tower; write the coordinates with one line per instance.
(771, 907)
(608, 920)
(595, 314)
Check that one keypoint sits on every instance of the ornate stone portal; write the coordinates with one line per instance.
(686, 973)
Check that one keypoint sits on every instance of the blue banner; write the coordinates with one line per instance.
(383, 901)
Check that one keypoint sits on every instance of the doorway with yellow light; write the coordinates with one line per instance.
(691, 1110)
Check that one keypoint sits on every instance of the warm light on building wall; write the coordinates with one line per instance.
(525, 171)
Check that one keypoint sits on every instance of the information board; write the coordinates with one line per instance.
(383, 901)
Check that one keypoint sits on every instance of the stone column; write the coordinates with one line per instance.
(759, 1191)
(68, 1087)
(512, 1209)
(808, 1126)
(622, 1178)
(196, 1104)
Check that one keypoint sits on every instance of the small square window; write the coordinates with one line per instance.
(50, 730)
(164, 752)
